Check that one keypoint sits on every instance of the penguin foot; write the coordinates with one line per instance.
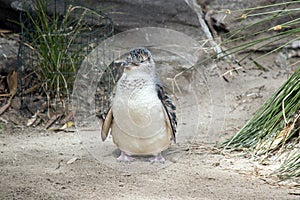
(125, 158)
(157, 159)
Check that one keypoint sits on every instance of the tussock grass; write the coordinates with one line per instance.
(274, 123)
(274, 128)
(55, 41)
(290, 168)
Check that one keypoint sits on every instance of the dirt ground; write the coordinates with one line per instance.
(40, 164)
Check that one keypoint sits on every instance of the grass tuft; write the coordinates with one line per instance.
(275, 126)
(55, 40)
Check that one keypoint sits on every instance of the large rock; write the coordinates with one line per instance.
(127, 14)
(8, 54)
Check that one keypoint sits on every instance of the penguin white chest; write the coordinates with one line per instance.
(139, 126)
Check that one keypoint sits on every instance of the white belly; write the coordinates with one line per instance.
(139, 126)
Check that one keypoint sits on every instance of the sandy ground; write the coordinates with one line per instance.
(40, 164)
(34, 166)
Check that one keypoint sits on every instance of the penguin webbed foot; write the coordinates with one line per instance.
(125, 158)
(157, 159)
